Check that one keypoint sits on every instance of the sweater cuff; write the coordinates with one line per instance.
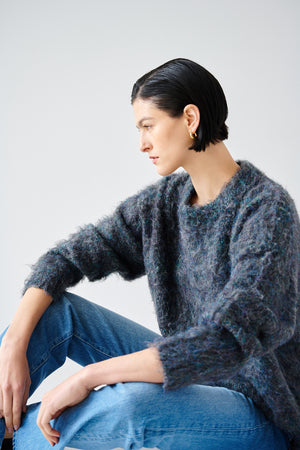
(199, 355)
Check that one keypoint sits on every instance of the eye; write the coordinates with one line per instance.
(145, 127)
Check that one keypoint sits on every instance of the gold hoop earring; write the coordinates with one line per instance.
(193, 135)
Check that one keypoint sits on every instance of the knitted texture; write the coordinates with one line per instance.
(224, 279)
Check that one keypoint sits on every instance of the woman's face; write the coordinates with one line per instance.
(166, 139)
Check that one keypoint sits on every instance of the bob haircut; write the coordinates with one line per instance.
(180, 82)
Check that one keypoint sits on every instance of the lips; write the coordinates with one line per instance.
(154, 159)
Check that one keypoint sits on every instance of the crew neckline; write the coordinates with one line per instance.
(232, 190)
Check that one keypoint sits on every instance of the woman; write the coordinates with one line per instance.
(219, 243)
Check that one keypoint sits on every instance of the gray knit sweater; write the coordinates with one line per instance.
(224, 279)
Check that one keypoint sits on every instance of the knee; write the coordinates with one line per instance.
(63, 309)
(138, 399)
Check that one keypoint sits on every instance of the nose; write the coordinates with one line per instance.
(145, 145)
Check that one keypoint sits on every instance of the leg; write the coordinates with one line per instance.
(82, 331)
(133, 415)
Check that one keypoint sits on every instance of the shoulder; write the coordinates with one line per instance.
(266, 209)
(266, 194)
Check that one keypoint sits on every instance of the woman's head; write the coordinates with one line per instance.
(180, 82)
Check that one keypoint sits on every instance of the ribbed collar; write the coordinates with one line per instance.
(230, 195)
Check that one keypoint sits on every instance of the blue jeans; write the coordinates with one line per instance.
(132, 415)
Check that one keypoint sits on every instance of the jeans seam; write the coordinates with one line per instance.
(49, 351)
(91, 345)
(61, 342)
(14, 445)
(207, 430)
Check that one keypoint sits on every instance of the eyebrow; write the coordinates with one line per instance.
(142, 120)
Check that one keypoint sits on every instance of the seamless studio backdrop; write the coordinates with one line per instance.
(68, 141)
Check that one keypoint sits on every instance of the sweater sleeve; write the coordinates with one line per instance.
(256, 310)
(113, 244)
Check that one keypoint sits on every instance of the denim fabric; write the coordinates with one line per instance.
(132, 415)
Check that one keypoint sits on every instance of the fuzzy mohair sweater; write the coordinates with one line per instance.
(224, 279)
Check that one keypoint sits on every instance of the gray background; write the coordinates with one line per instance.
(68, 142)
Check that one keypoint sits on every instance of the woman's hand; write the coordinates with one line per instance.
(14, 383)
(72, 391)
(144, 366)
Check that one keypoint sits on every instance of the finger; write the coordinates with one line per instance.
(51, 439)
(7, 409)
(50, 433)
(43, 422)
(16, 410)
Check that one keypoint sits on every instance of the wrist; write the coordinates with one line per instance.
(87, 378)
(14, 341)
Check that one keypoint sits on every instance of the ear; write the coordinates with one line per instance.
(192, 116)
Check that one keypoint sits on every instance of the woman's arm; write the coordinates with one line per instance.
(14, 372)
(112, 244)
(143, 366)
(31, 308)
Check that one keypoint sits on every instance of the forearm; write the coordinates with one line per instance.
(31, 308)
(143, 366)
(140, 366)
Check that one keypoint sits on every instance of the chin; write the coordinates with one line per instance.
(164, 171)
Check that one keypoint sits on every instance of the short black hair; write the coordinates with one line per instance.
(180, 82)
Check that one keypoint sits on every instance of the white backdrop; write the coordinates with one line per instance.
(68, 142)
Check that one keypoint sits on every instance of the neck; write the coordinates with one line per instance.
(210, 171)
